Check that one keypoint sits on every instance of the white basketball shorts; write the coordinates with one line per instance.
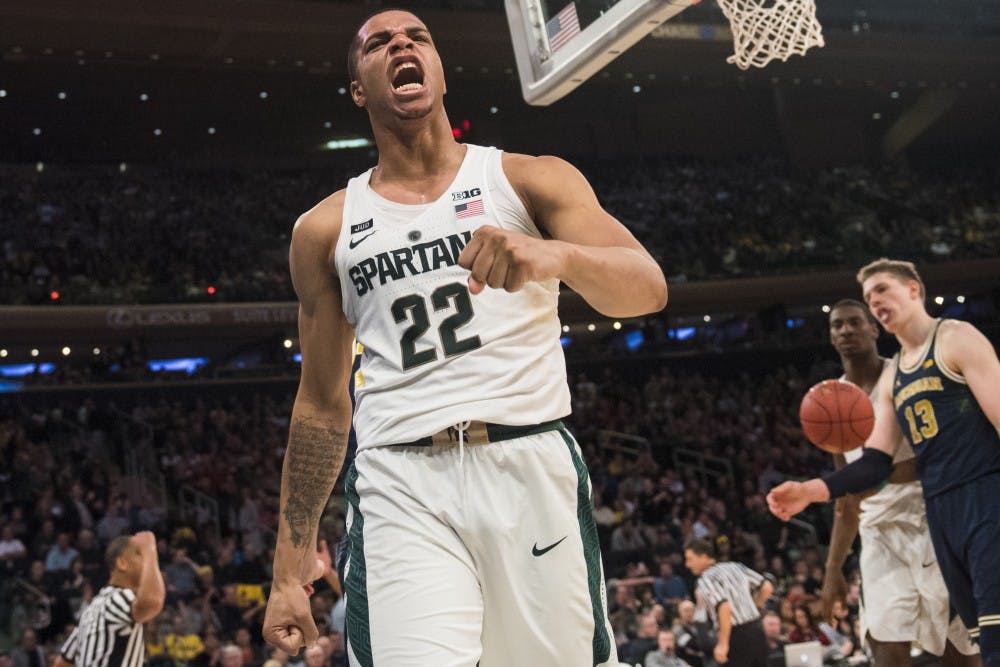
(904, 595)
(485, 556)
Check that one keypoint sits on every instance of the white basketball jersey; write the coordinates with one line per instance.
(435, 355)
(900, 503)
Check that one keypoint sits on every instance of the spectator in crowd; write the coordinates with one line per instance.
(670, 588)
(806, 629)
(231, 656)
(772, 631)
(839, 630)
(634, 652)
(181, 644)
(664, 655)
(28, 652)
(12, 551)
(114, 522)
(314, 656)
(181, 576)
(689, 638)
(249, 651)
(61, 555)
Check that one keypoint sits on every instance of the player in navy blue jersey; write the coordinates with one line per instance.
(942, 390)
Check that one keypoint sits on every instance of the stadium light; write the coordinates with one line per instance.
(341, 144)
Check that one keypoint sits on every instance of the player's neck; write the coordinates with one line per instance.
(862, 370)
(413, 152)
(915, 332)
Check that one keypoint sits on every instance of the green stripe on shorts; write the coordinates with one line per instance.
(591, 551)
(356, 583)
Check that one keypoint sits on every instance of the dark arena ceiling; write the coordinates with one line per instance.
(231, 81)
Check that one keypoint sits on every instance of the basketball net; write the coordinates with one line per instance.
(766, 30)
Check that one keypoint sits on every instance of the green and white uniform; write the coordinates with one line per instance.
(461, 553)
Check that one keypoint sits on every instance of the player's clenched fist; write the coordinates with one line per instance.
(288, 621)
(505, 259)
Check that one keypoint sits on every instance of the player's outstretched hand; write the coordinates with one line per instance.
(288, 622)
(507, 260)
(788, 499)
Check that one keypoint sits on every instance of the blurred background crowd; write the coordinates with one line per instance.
(673, 455)
(155, 236)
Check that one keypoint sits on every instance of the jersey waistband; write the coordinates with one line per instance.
(481, 433)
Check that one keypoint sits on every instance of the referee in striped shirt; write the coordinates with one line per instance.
(110, 630)
(732, 594)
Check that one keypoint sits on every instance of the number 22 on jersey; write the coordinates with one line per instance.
(412, 309)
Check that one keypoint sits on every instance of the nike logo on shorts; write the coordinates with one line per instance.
(354, 244)
(535, 551)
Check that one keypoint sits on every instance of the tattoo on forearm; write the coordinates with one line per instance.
(315, 453)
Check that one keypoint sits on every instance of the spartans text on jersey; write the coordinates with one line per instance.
(407, 261)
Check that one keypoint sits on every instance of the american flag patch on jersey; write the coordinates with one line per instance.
(469, 208)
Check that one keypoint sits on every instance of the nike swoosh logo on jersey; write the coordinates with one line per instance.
(535, 551)
(930, 563)
(354, 244)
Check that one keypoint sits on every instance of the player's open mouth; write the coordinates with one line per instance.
(407, 76)
(882, 314)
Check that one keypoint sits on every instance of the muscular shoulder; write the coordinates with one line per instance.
(952, 331)
(547, 184)
(314, 236)
(958, 341)
(528, 170)
(323, 220)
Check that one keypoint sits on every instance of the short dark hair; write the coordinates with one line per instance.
(355, 46)
(115, 550)
(701, 547)
(854, 303)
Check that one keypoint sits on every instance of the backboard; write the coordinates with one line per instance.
(559, 44)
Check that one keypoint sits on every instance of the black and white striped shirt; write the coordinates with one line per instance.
(107, 636)
(734, 583)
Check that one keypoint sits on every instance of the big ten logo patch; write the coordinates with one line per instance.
(466, 194)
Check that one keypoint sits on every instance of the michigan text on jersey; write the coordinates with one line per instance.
(917, 387)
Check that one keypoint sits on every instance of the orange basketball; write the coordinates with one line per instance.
(837, 416)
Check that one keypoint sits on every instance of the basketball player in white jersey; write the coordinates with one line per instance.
(903, 593)
(471, 536)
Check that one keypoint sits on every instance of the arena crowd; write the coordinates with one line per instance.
(67, 492)
(96, 235)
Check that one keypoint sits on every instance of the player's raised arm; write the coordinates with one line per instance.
(318, 432)
(966, 350)
(591, 251)
(150, 592)
(874, 467)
